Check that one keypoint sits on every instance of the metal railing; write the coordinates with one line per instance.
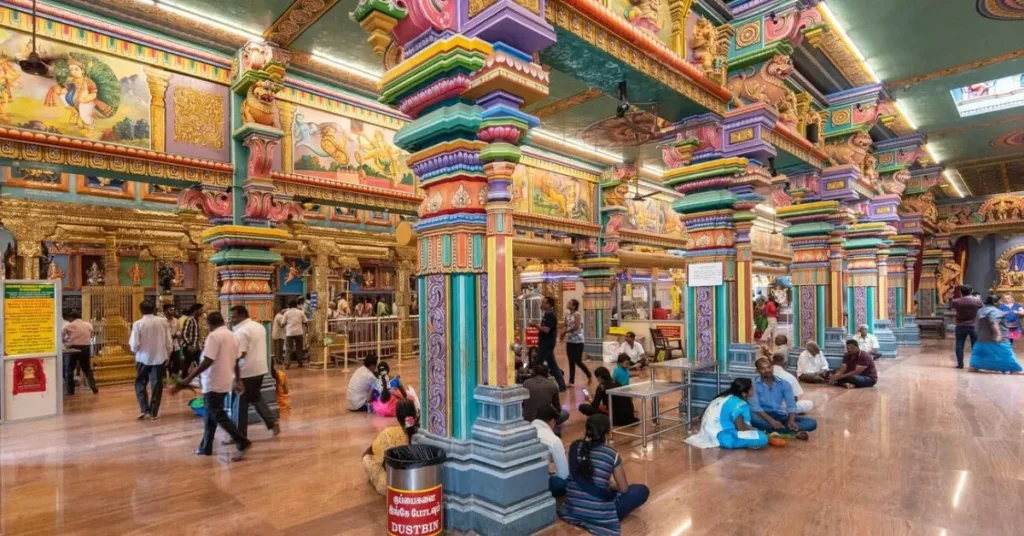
(357, 337)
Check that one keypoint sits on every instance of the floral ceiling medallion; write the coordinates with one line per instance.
(1002, 9)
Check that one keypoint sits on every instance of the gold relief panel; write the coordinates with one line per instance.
(835, 185)
(198, 117)
(741, 135)
(841, 117)
(476, 6)
(35, 179)
(748, 34)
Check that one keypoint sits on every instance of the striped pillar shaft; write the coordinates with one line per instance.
(881, 306)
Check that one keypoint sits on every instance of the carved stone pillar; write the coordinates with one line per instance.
(320, 267)
(30, 250)
(403, 298)
(157, 79)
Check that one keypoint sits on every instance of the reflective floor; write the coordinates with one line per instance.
(931, 450)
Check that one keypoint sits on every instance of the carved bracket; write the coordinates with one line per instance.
(214, 205)
(263, 207)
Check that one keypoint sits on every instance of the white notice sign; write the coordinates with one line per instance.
(705, 274)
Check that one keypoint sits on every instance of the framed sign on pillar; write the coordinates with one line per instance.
(32, 383)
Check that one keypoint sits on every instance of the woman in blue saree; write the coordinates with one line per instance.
(726, 421)
(993, 351)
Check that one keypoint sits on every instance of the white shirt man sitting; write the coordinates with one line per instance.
(868, 343)
(544, 423)
(811, 366)
(781, 373)
(635, 350)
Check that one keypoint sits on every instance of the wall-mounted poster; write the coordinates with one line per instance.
(84, 95)
(348, 150)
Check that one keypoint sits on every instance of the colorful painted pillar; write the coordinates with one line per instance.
(903, 256)
(838, 183)
(467, 72)
(598, 278)
(718, 211)
(883, 209)
(809, 231)
(948, 277)
(928, 291)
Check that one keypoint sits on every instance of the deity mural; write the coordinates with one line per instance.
(650, 15)
(84, 94)
(92, 185)
(546, 193)
(652, 215)
(348, 150)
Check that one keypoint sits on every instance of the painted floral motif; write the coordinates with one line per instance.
(705, 325)
(485, 362)
(890, 303)
(860, 305)
(806, 314)
(434, 203)
(461, 198)
(437, 356)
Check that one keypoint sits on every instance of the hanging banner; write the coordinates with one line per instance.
(29, 321)
(29, 376)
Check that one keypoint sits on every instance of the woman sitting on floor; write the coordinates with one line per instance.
(393, 436)
(622, 407)
(389, 391)
(993, 351)
(598, 496)
(726, 421)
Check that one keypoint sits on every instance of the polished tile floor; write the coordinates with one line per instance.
(931, 450)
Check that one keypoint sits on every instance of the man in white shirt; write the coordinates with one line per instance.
(252, 348)
(175, 364)
(294, 324)
(150, 341)
(343, 307)
(78, 334)
(559, 480)
(868, 343)
(811, 366)
(781, 360)
(277, 335)
(635, 350)
(220, 363)
(360, 386)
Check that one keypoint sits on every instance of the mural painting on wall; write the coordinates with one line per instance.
(653, 216)
(37, 179)
(84, 95)
(90, 185)
(161, 193)
(337, 147)
(650, 15)
(377, 217)
(290, 276)
(344, 214)
(546, 193)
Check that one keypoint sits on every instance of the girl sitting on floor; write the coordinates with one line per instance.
(393, 436)
(389, 391)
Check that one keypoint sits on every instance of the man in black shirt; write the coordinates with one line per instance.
(548, 328)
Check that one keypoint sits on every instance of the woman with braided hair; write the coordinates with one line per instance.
(393, 436)
(598, 496)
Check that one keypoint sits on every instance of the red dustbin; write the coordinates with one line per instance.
(415, 506)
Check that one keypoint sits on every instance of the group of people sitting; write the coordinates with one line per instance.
(372, 389)
(743, 415)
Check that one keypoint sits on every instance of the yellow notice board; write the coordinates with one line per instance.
(29, 319)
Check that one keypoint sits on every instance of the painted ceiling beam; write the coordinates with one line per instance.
(296, 20)
(905, 83)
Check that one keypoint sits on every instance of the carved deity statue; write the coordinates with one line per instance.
(165, 275)
(767, 84)
(787, 108)
(94, 275)
(260, 105)
(704, 43)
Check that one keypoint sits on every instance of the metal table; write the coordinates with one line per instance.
(645, 391)
(686, 368)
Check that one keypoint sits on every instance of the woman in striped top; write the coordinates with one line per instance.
(598, 496)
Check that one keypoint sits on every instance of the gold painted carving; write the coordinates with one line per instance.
(287, 112)
(741, 135)
(569, 102)
(532, 6)
(835, 50)
(297, 19)
(942, 73)
(677, 11)
(748, 34)
(198, 118)
(476, 6)
(841, 117)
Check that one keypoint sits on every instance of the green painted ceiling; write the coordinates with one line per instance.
(252, 15)
(907, 38)
(338, 36)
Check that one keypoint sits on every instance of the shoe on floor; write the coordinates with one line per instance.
(95, 391)
(241, 453)
(142, 415)
(276, 430)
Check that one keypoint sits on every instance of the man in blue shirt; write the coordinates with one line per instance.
(766, 406)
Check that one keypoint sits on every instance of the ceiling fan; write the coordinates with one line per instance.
(34, 64)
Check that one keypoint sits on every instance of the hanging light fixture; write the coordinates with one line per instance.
(34, 64)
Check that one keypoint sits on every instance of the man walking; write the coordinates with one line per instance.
(966, 307)
(190, 342)
(150, 340)
(548, 328)
(220, 362)
(79, 336)
(277, 336)
(294, 324)
(252, 348)
(176, 364)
